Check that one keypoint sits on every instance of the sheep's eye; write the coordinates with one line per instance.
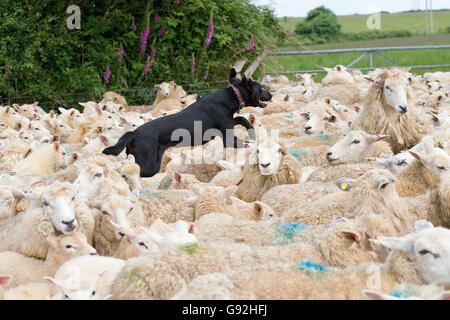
(36, 129)
(45, 203)
(142, 244)
(97, 175)
(105, 213)
(326, 118)
(356, 141)
(66, 296)
(93, 293)
(388, 88)
(402, 163)
(424, 252)
(73, 198)
(46, 141)
(279, 150)
(131, 209)
(441, 168)
(61, 125)
(68, 246)
(134, 125)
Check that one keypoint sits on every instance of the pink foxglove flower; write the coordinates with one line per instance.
(107, 75)
(153, 52)
(147, 67)
(193, 64)
(120, 54)
(206, 75)
(252, 44)
(144, 38)
(156, 17)
(211, 30)
(161, 32)
(133, 25)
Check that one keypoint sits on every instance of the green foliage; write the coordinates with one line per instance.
(320, 25)
(42, 60)
(374, 34)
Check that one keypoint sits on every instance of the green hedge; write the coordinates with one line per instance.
(42, 60)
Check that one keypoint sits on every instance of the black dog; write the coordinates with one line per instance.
(214, 111)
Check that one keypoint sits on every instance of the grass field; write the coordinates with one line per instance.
(412, 21)
(355, 23)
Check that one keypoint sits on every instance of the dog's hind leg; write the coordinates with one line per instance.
(146, 157)
(246, 124)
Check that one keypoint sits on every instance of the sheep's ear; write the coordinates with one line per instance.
(16, 106)
(35, 104)
(374, 295)
(99, 111)
(444, 296)
(284, 151)
(75, 156)
(332, 119)
(56, 145)
(376, 137)
(258, 208)
(298, 76)
(328, 100)
(313, 75)
(357, 108)
(328, 70)
(229, 191)
(52, 114)
(177, 177)
(104, 140)
(5, 279)
(305, 115)
(381, 184)
(196, 189)
(55, 282)
(28, 153)
(130, 158)
(52, 241)
(124, 120)
(345, 184)
(157, 86)
(404, 243)
(225, 165)
(421, 225)
(251, 119)
(352, 235)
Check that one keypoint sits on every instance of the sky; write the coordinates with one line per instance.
(299, 8)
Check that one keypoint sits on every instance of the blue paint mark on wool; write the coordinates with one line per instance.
(323, 136)
(311, 266)
(289, 115)
(399, 294)
(146, 191)
(292, 227)
(298, 153)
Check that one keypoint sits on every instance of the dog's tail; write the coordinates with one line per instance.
(121, 144)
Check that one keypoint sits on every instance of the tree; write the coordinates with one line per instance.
(42, 60)
(320, 25)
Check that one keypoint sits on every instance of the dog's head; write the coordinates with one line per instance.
(251, 90)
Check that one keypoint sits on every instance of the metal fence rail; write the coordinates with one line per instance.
(365, 52)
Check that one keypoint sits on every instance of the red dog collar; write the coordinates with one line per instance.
(238, 94)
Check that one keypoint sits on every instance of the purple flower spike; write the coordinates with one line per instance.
(120, 54)
(252, 44)
(156, 17)
(147, 67)
(153, 52)
(161, 32)
(210, 33)
(144, 38)
(193, 64)
(107, 74)
(206, 75)
(133, 25)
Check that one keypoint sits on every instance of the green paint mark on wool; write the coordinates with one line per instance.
(12, 173)
(298, 153)
(189, 248)
(308, 266)
(132, 275)
(165, 183)
(324, 136)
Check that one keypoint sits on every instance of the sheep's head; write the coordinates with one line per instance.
(67, 247)
(269, 155)
(112, 97)
(378, 180)
(58, 202)
(164, 88)
(351, 146)
(434, 159)
(428, 248)
(89, 179)
(395, 86)
(396, 163)
(319, 117)
(77, 294)
(27, 110)
(117, 210)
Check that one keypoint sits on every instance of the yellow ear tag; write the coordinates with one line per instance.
(378, 243)
(344, 186)
(370, 159)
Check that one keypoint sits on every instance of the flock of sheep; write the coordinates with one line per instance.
(344, 194)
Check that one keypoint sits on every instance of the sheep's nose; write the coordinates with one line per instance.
(329, 154)
(403, 109)
(93, 254)
(265, 165)
(70, 224)
(308, 129)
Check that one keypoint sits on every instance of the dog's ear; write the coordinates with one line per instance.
(232, 74)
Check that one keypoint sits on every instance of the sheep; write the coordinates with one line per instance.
(166, 106)
(29, 291)
(82, 273)
(3, 280)
(166, 90)
(48, 159)
(340, 85)
(161, 275)
(395, 163)
(111, 96)
(321, 117)
(355, 146)
(188, 100)
(273, 166)
(410, 292)
(14, 150)
(20, 234)
(386, 111)
(61, 249)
